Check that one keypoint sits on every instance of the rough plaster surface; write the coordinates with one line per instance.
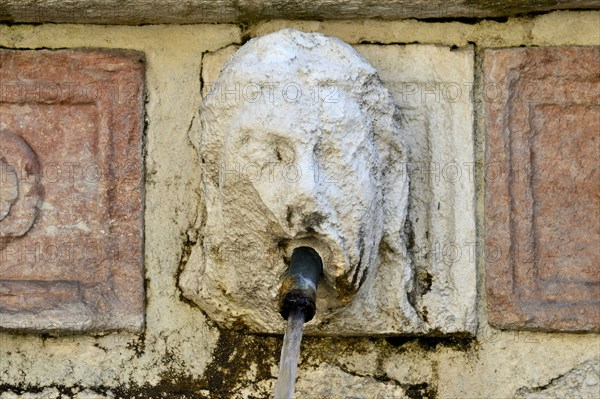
(582, 382)
(53, 393)
(228, 11)
(326, 381)
(324, 167)
(558, 28)
(181, 351)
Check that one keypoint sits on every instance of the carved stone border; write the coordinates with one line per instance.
(531, 94)
(108, 293)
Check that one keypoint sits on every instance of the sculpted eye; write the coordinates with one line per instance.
(269, 149)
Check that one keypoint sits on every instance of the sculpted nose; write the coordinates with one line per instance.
(304, 202)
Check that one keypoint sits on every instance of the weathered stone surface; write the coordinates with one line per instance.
(71, 178)
(432, 86)
(557, 28)
(443, 310)
(9, 191)
(582, 382)
(180, 346)
(53, 393)
(202, 11)
(301, 146)
(20, 182)
(328, 381)
(542, 173)
(47, 393)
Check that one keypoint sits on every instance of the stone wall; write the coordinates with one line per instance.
(526, 351)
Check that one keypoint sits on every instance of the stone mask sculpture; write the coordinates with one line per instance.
(300, 146)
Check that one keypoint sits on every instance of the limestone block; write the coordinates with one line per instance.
(432, 87)
(351, 152)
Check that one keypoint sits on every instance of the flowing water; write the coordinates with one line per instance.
(288, 364)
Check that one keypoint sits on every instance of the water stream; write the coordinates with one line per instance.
(288, 364)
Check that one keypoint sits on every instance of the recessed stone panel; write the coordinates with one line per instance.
(542, 188)
(71, 197)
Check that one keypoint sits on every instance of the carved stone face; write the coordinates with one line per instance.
(297, 137)
(315, 169)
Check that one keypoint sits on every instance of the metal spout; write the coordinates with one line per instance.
(299, 286)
